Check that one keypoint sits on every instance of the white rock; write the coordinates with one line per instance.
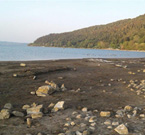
(37, 115)
(22, 64)
(68, 119)
(51, 105)
(93, 124)
(95, 111)
(32, 93)
(18, 114)
(78, 133)
(85, 109)
(86, 132)
(83, 125)
(45, 90)
(105, 114)
(115, 123)
(39, 134)
(78, 90)
(120, 113)
(87, 118)
(53, 85)
(122, 129)
(34, 109)
(92, 128)
(29, 122)
(8, 106)
(70, 133)
(74, 113)
(72, 123)
(107, 122)
(111, 80)
(55, 110)
(109, 127)
(15, 75)
(59, 105)
(34, 77)
(129, 116)
(61, 134)
(60, 78)
(67, 124)
(63, 88)
(142, 115)
(4, 114)
(128, 108)
(79, 116)
(134, 113)
(92, 119)
(25, 107)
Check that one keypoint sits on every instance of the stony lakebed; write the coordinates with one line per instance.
(73, 97)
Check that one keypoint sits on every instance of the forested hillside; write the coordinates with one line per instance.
(126, 34)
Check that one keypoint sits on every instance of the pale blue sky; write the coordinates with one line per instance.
(26, 20)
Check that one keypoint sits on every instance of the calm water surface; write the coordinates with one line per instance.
(26, 53)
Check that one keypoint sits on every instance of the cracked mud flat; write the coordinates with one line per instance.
(104, 86)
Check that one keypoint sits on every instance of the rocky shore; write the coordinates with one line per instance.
(73, 97)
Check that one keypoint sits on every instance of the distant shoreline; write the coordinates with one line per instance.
(124, 50)
(90, 48)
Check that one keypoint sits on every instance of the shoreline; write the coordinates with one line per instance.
(126, 50)
(71, 59)
(90, 48)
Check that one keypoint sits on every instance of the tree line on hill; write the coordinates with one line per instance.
(126, 34)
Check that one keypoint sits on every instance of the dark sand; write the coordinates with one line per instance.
(92, 76)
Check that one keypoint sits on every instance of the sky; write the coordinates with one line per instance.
(27, 20)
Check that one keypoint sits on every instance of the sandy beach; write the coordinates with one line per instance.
(95, 84)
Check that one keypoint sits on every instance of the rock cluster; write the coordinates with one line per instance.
(49, 89)
(35, 111)
(131, 73)
(8, 110)
(131, 112)
(121, 66)
(137, 86)
(81, 122)
(85, 122)
(45, 90)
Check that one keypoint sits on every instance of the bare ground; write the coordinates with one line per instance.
(92, 76)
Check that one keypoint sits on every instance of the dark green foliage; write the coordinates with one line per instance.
(126, 34)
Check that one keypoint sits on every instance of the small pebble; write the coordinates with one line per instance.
(79, 116)
(32, 93)
(84, 109)
(109, 127)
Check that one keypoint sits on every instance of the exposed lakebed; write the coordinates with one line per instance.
(95, 97)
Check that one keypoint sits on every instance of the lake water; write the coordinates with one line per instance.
(26, 53)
